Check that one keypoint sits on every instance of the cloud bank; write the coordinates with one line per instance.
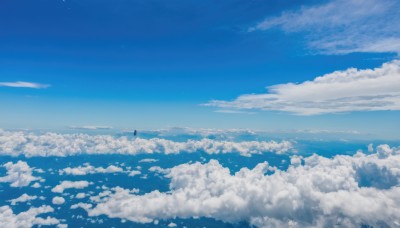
(341, 91)
(346, 191)
(20, 84)
(343, 26)
(51, 144)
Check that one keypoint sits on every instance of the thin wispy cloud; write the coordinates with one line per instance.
(21, 84)
(228, 111)
(341, 91)
(343, 26)
(90, 127)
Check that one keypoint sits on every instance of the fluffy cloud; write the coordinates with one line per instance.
(22, 199)
(341, 91)
(18, 174)
(88, 169)
(70, 184)
(85, 206)
(58, 200)
(36, 185)
(344, 26)
(343, 191)
(134, 173)
(20, 84)
(17, 143)
(26, 219)
(80, 195)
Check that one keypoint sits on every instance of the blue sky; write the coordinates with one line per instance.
(152, 64)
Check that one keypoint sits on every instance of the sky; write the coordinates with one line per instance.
(201, 64)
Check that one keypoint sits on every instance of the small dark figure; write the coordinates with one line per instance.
(135, 133)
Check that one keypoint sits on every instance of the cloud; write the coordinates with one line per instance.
(148, 160)
(17, 143)
(58, 200)
(85, 206)
(20, 84)
(343, 26)
(27, 218)
(70, 184)
(233, 111)
(80, 195)
(172, 224)
(346, 191)
(341, 91)
(18, 174)
(22, 199)
(36, 185)
(88, 127)
(134, 173)
(88, 169)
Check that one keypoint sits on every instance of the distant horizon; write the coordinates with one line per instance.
(281, 65)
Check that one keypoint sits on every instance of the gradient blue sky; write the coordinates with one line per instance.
(150, 64)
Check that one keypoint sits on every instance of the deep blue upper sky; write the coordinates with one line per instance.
(150, 63)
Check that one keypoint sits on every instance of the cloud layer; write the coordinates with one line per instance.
(52, 144)
(344, 26)
(20, 84)
(345, 191)
(341, 91)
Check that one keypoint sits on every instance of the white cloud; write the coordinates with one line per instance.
(90, 127)
(58, 200)
(228, 111)
(85, 206)
(88, 169)
(22, 199)
(148, 160)
(18, 174)
(341, 91)
(344, 26)
(345, 191)
(80, 195)
(20, 84)
(17, 143)
(158, 169)
(134, 173)
(70, 184)
(27, 218)
(36, 185)
(172, 224)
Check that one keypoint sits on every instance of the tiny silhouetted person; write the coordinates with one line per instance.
(135, 133)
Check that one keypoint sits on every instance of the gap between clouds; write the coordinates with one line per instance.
(341, 91)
